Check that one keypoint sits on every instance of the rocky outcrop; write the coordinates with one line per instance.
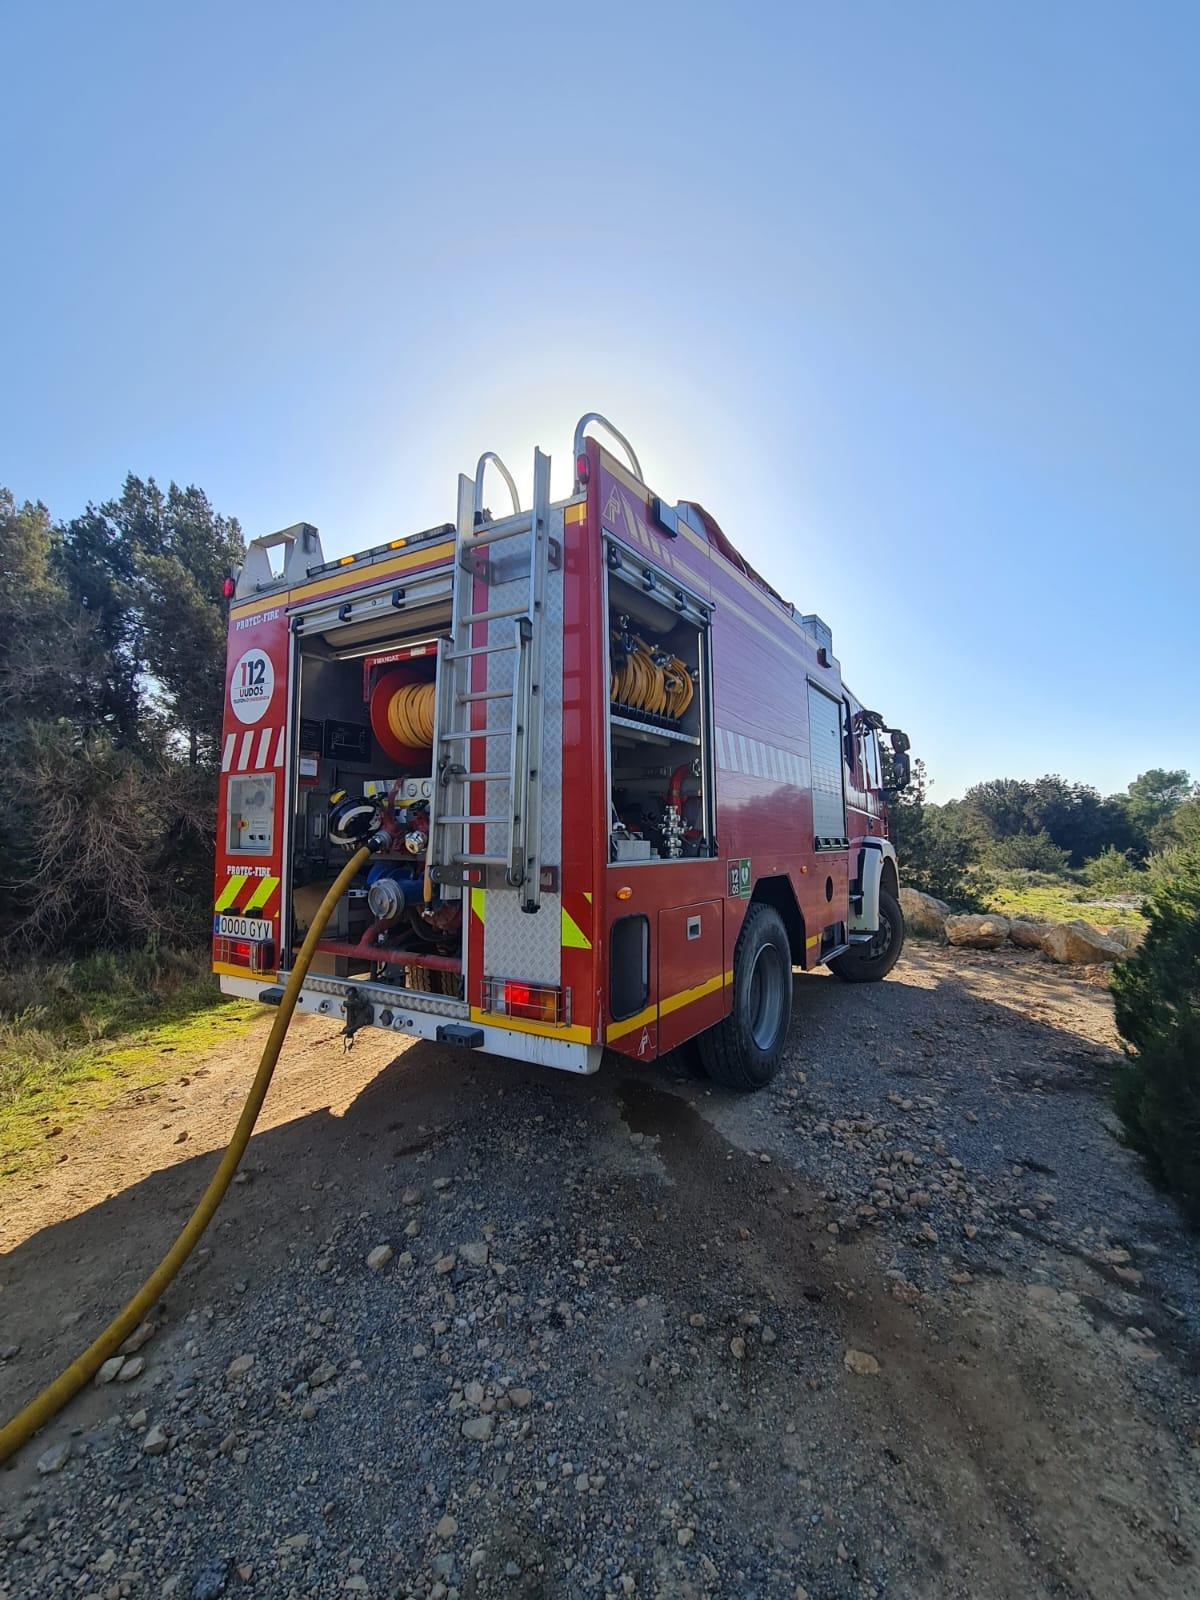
(924, 914)
(1128, 938)
(977, 933)
(1027, 934)
(1078, 943)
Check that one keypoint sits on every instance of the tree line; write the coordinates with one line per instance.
(1042, 825)
(112, 680)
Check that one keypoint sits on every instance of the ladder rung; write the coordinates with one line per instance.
(500, 531)
(444, 822)
(484, 694)
(495, 616)
(480, 861)
(477, 650)
(474, 733)
(475, 777)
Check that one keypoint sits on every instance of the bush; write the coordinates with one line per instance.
(1157, 995)
(1112, 872)
(935, 847)
(1028, 852)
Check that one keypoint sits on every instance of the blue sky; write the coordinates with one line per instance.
(905, 295)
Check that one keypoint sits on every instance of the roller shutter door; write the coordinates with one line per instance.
(825, 736)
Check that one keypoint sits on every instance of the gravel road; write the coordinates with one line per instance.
(910, 1323)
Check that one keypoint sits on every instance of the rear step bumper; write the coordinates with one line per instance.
(437, 1018)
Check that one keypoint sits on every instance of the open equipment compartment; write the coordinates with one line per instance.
(658, 721)
(363, 736)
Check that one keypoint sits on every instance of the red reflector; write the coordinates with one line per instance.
(229, 588)
(583, 469)
(258, 955)
(533, 1001)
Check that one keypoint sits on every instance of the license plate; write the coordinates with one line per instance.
(241, 927)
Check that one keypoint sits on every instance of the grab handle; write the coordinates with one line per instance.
(580, 429)
(481, 468)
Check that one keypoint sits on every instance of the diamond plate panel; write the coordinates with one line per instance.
(516, 943)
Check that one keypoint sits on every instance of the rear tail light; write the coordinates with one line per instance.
(530, 1002)
(583, 470)
(256, 955)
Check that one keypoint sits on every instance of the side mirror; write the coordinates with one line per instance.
(899, 741)
(901, 770)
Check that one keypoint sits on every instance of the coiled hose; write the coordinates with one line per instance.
(648, 679)
(69, 1382)
(410, 714)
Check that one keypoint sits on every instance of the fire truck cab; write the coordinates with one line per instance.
(616, 786)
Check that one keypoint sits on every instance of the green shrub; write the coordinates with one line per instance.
(1157, 995)
(1028, 852)
(1112, 872)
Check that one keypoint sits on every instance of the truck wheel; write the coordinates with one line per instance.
(867, 963)
(743, 1050)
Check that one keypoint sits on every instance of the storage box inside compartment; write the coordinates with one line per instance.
(365, 734)
(656, 666)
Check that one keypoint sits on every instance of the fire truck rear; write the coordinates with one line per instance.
(614, 787)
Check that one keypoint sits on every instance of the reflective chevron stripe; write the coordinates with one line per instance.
(230, 892)
(266, 888)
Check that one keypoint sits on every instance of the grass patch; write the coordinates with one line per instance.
(1063, 902)
(75, 1035)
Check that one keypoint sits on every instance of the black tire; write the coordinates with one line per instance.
(744, 1050)
(867, 963)
(684, 1061)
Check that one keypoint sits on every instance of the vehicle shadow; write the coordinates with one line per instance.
(429, 1110)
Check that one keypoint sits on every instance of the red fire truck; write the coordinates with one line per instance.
(617, 786)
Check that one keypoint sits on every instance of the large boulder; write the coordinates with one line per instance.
(923, 913)
(977, 933)
(1128, 938)
(1027, 934)
(1078, 943)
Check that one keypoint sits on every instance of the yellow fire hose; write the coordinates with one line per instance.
(56, 1394)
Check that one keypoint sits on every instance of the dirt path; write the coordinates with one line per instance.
(910, 1323)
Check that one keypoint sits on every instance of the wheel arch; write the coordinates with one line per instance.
(889, 877)
(778, 893)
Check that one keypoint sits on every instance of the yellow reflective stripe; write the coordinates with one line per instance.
(575, 513)
(686, 996)
(587, 895)
(728, 978)
(477, 903)
(813, 939)
(673, 1002)
(573, 936)
(575, 1033)
(427, 555)
(231, 891)
(266, 888)
(618, 1030)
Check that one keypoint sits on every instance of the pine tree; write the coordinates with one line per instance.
(1157, 996)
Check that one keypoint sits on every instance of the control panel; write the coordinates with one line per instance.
(251, 813)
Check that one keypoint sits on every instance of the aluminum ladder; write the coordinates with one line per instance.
(496, 763)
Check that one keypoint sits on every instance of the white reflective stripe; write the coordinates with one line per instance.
(278, 762)
(264, 741)
(227, 756)
(736, 753)
(243, 760)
